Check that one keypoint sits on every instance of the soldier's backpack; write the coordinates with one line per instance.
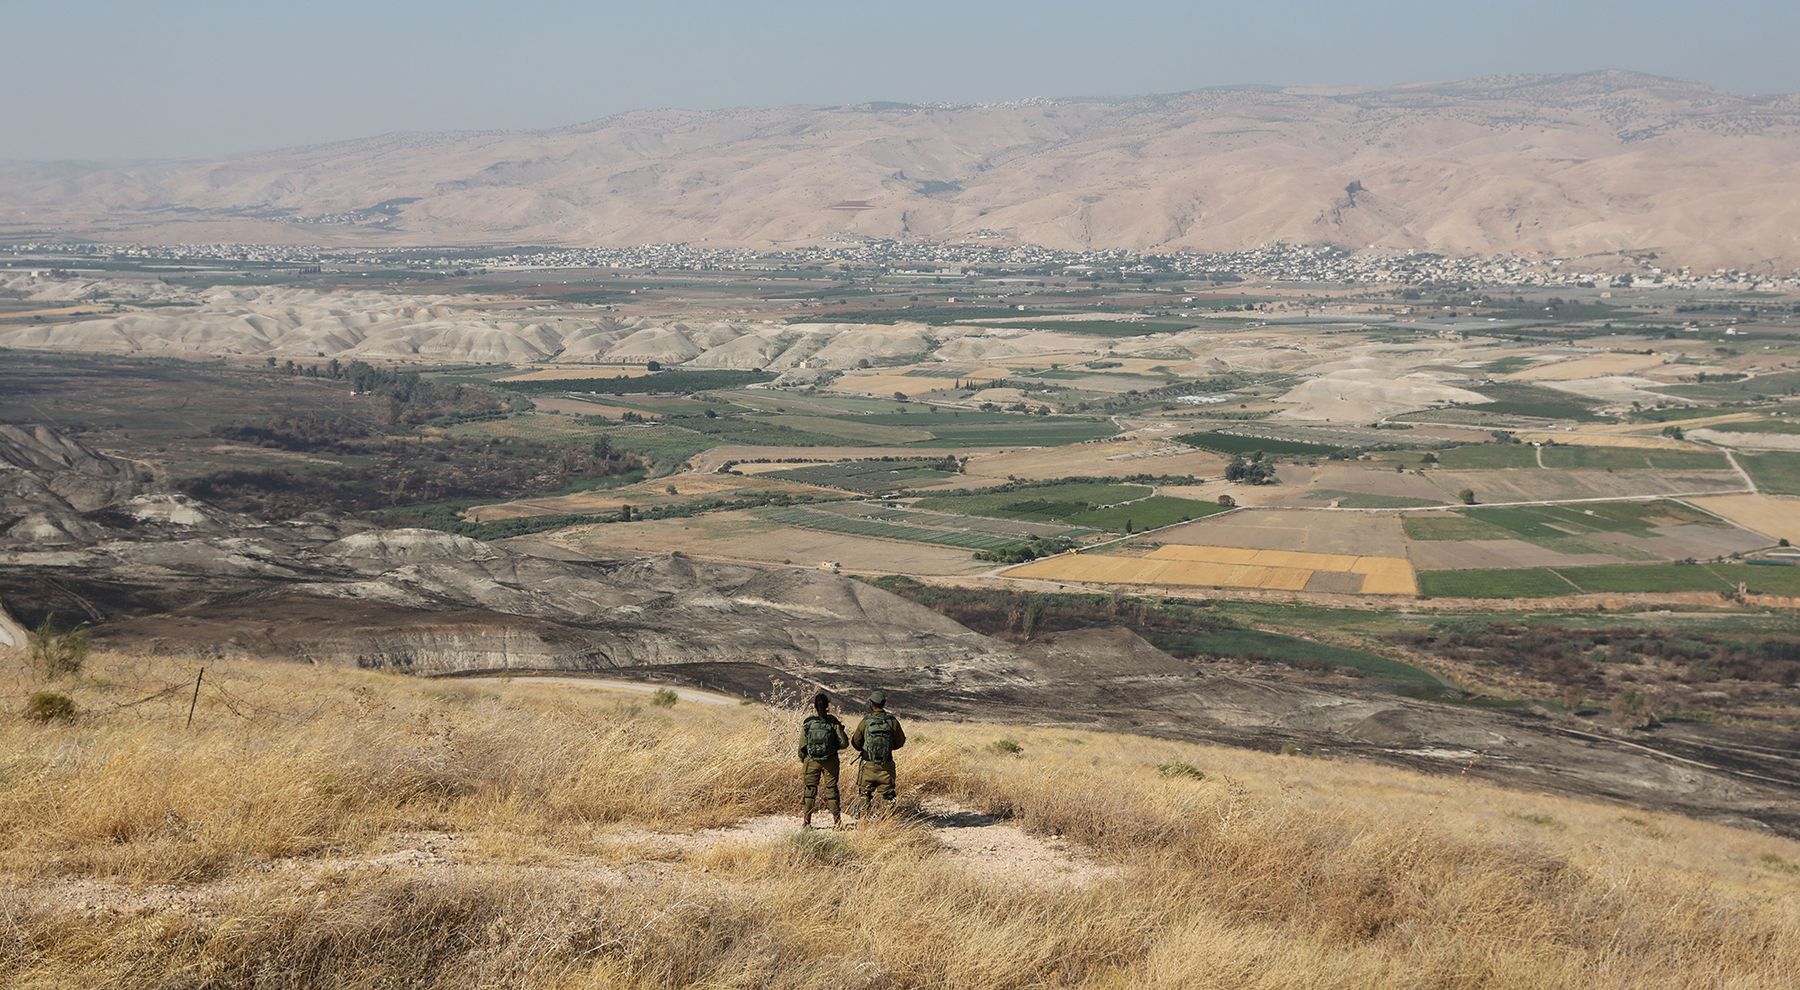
(878, 738)
(821, 738)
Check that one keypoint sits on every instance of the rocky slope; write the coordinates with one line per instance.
(1539, 165)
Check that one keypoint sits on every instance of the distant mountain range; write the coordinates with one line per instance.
(1546, 165)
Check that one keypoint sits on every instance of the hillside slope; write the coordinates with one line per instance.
(1538, 165)
(328, 827)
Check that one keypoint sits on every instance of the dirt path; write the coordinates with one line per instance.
(633, 687)
(984, 845)
(1749, 482)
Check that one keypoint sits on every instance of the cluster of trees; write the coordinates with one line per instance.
(412, 398)
(299, 433)
(1253, 470)
(1032, 549)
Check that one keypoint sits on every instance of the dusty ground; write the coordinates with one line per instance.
(1358, 533)
(1591, 366)
(1106, 458)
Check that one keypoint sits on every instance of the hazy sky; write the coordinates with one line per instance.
(103, 79)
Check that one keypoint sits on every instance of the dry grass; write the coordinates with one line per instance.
(256, 850)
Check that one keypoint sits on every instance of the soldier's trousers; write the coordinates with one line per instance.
(875, 777)
(820, 774)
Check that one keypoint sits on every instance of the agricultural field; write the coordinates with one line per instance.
(1777, 473)
(878, 528)
(1244, 442)
(1116, 508)
(1572, 534)
(1184, 565)
(744, 536)
(576, 372)
(868, 477)
(1613, 458)
(1541, 582)
(1774, 516)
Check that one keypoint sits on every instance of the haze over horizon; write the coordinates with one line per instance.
(212, 79)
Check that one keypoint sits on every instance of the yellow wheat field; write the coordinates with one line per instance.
(1226, 567)
(1775, 516)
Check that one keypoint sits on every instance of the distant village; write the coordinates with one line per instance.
(1273, 263)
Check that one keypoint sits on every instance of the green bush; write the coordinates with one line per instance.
(1006, 746)
(664, 698)
(57, 654)
(49, 706)
(1181, 770)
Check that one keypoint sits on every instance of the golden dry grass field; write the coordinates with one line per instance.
(326, 827)
(1226, 567)
(1774, 516)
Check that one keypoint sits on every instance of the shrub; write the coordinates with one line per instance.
(57, 653)
(1007, 746)
(49, 706)
(664, 698)
(1181, 770)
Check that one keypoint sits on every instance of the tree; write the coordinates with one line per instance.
(899, 396)
(1227, 501)
(653, 365)
(1429, 458)
(1467, 496)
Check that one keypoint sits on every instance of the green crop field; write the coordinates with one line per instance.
(1450, 527)
(1052, 502)
(1562, 456)
(1024, 431)
(1151, 513)
(1539, 582)
(1516, 399)
(1488, 456)
(1525, 582)
(867, 477)
(1774, 473)
(661, 382)
(1228, 443)
(1645, 577)
(855, 429)
(1785, 425)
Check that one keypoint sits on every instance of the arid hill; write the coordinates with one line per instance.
(1576, 165)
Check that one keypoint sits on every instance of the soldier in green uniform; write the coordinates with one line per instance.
(821, 737)
(876, 737)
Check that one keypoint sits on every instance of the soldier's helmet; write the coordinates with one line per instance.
(877, 697)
